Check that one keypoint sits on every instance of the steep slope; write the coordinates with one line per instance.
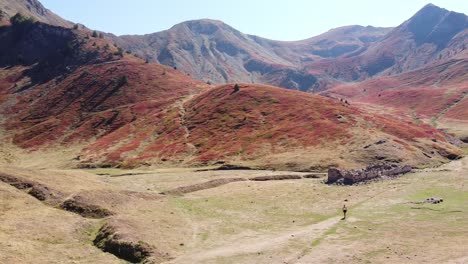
(32, 8)
(207, 49)
(431, 34)
(212, 51)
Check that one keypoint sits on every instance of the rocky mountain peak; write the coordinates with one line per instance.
(433, 24)
(32, 8)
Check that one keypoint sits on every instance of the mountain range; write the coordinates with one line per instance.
(215, 52)
(64, 85)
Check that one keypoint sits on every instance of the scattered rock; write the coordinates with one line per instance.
(372, 172)
(448, 155)
(433, 200)
(455, 141)
(379, 142)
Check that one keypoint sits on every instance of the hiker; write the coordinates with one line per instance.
(344, 211)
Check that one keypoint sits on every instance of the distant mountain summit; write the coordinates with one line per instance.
(434, 25)
(212, 51)
(215, 52)
(32, 8)
(432, 34)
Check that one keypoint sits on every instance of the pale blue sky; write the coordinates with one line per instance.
(281, 20)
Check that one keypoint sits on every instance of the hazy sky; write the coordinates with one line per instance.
(281, 20)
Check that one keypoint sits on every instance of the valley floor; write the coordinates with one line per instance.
(246, 221)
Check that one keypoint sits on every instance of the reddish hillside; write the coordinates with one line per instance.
(65, 87)
(269, 127)
(436, 91)
(82, 87)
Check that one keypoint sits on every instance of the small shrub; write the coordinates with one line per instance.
(75, 26)
(236, 88)
(84, 74)
(123, 80)
(119, 52)
(20, 19)
(101, 35)
(95, 34)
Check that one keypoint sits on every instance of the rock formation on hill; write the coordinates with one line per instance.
(32, 8)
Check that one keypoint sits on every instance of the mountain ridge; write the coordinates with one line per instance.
(32, 8)
(345, 54)
(214, 52)
(249, 57)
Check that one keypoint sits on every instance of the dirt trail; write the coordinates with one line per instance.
(182, 112)
(259, 243)
(448, 107)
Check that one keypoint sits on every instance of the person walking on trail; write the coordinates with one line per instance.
(345, 210)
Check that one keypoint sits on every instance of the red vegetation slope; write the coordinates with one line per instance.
(268, 127)
(436, 91)
(64, 87)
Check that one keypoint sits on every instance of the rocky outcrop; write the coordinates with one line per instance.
(372, 172)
